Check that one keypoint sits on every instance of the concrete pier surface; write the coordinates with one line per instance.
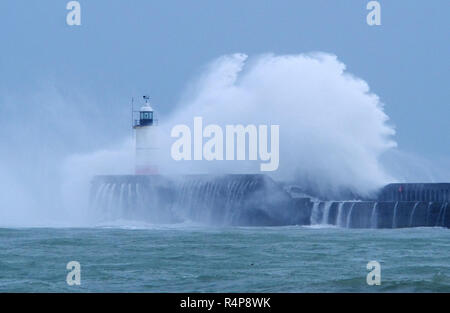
(437, 192)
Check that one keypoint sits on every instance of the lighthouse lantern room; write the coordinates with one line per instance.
(146, 116)
(146, 140)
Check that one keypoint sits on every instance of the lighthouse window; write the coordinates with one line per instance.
(146, 115)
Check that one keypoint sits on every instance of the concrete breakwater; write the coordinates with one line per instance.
(374, 214)
(244, 200)
(257, 200)
(437, 192)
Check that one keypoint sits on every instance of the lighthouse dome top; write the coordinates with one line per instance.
(146, 108)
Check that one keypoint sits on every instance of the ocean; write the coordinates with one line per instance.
(193, 258)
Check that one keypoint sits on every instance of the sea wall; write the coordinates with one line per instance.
(374, 214)
(257, 200)
(243, 200)
(437, 192)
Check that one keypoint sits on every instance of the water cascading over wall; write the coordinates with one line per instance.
(257, 200)
(374, 214)
(246, 200)
(131, 197)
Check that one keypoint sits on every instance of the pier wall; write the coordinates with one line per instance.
(257, 200)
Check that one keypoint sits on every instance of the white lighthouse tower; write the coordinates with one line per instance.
(146, 140)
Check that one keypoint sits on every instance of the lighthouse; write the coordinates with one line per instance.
(146, 140)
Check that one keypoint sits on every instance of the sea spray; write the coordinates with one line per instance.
(411, 218)
(349, 216)
(394, 216)
(340, 217)
(315, 213)
(327, 117)
(374, 216)
(326, 212)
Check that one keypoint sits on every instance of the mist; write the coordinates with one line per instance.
(41, 132)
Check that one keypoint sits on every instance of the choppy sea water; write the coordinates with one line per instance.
(183, 258)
